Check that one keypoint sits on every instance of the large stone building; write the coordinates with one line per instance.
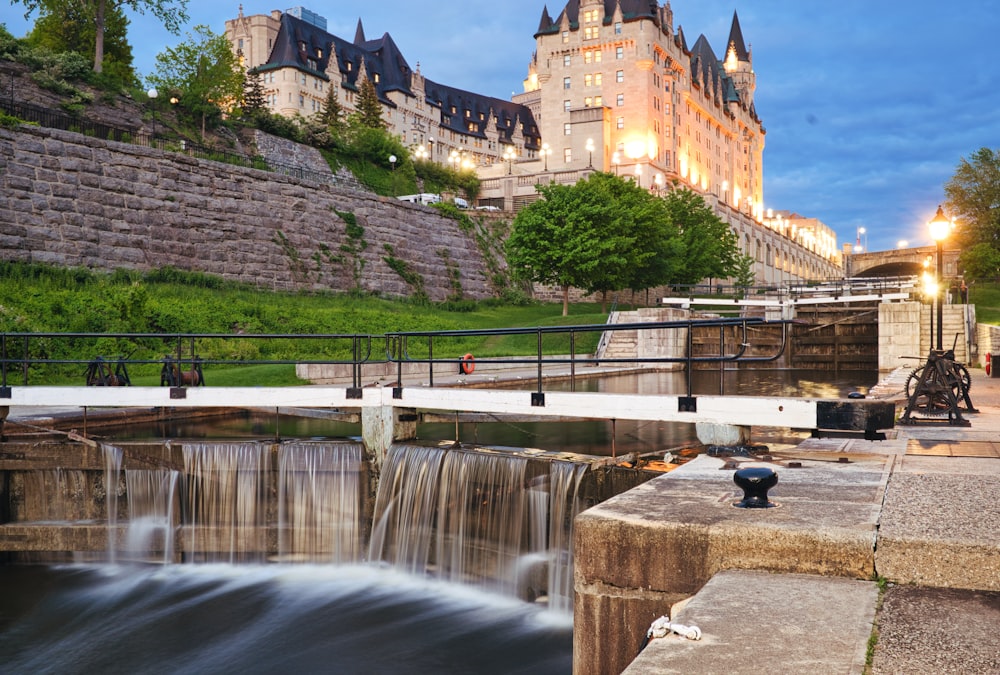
(612, 86)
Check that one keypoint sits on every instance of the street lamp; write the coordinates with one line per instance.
(590, 149)
(940, 226)
(392, 160)
(421, 153)
(152, 93)
(638, 175)
(546, 151)
(455, 160)
(616, 159)
(509, 154)
(658, 182)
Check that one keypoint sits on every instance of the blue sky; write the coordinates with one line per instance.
(869, 106)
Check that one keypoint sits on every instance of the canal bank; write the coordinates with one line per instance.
(884, 553)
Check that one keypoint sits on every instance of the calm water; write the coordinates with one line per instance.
(336, 618)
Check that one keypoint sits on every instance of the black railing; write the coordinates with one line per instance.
(191, 352)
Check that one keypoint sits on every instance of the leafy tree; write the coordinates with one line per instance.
(980, 262)
(68, 26)
(369, 109)
(744, 275)
(205, 72)
(173, 13)
(710, 247)
(594, 235)
(973, 195)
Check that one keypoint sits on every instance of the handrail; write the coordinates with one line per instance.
(183, 350)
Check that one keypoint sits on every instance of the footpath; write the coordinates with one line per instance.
(921, 508)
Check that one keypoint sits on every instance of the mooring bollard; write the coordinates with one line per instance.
(755, 481)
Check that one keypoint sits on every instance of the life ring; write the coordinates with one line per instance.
(989, 366)
(467, 364)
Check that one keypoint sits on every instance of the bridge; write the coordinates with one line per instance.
(901, 262)
(390, 413)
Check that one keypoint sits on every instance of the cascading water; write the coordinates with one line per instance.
(152, 516)
(319, 502)
(486, 518)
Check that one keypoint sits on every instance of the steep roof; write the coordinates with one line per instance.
(632, 10)
(306, 47)
(736, 40)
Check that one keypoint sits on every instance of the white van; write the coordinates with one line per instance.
(422, 198)
(461, 203)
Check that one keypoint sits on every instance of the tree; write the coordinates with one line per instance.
(68, 26)
(253, 95)
(332, 114)
(98, 12)
(369, 109)
(980, 262)
(205, 72)
(595, 235)
(710, 247)
(973, 198)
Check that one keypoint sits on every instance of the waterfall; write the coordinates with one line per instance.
(486, 518)
(112, 473)
(226, 489)
(319, 502)
(152, 515)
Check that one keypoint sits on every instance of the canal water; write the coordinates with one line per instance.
(358, 612)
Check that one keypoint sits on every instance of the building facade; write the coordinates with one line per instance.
(612, 86)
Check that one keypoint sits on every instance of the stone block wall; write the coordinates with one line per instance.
(70, 200)
(904, 330)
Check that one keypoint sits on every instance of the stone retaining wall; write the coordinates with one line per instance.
(70, 200)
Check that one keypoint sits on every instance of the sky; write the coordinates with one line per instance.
(869, 105)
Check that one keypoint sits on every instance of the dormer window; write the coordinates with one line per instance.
(350, 66)
(376, 78)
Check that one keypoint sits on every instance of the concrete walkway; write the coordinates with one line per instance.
(933, 529)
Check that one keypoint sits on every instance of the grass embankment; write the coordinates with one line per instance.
(986, 298)
(42, 299)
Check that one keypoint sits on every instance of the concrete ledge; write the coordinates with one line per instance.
(755, 622)
(668, 537)
(939, 525)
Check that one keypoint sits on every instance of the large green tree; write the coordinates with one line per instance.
(710, 247)
(595, 235)
(204, 71)
(68, 26)
(368, 112)
(172, 13)
(973, 198)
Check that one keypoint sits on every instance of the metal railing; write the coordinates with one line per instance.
(19, 352)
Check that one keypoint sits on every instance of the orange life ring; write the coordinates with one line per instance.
(989, 366)
(467, 364)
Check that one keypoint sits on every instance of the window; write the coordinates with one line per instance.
(588, 80)
(620, 123)
(598, 79)
(376, 78)
(567, 129)
(618, 28)
(619, 53)
(587, 102)
(620, 76)
(591, 16)
(566, 105)
(598, 101)
(591, 32)
(567, 155)
(565, 36)
(620, 101)
(565, 83)
(567, 60)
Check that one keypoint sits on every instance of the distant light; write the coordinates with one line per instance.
(152, 93)
(902, 243)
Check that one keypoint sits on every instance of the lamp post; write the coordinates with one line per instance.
(152, 93)
(509, 154)
(616, 159)
(939, 226)
(658, 182)
(392, 161)
(455, 160)
(857, 243)
(546, 151)
(638, 175)
(590, 149)
(421, 153)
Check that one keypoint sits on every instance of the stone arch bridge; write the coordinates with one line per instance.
(901, 262)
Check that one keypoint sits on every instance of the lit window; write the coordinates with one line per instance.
(598, 79)
(588, 80)
(597, 56)
(590, 33)
(565, 36)
(376, 78)
(588, 57)
(587, 102)
(591, 16)
(598, 100)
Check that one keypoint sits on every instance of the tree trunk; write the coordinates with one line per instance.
(565, 300)
(99, 37)
(604, 302)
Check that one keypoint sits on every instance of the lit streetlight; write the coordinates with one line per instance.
(546, 151)
(421, 153)
(940, 227)
(392, 161)
(590, 149)
(638, 175)
(509, 154)
(616, 159)
(658, 182)
(152, 93)
(857, 245)
(902, 243)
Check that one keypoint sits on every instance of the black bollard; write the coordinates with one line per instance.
(755, 481)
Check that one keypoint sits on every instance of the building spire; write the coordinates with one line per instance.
(736, 42)
(359, 34)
